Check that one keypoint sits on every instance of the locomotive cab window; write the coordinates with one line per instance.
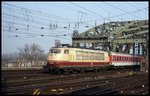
(66, 51)
(54, 51)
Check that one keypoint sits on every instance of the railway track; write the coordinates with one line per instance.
(21, 71)
(61, 84)
(119, 85)
(43, 78)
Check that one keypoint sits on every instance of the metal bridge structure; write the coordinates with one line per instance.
(123, 36)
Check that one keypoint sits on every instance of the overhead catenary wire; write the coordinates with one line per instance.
(15, 17)
(33, 35)
(37, 27)
(39, 18)
(135, 7)
(133, 11)
(132, 5)
(18, 11)
(109, 17)
(88, 10)
(137, 4)
(28, 30)
(120, 14)
(35, 21)
(35, 17)
(121, 9)
(37, 7)
(105, 18)
(71, 8)
(41, 13)
(27, 33)
(78, 23)
(18, 28)
(97, 20)
(104, 9)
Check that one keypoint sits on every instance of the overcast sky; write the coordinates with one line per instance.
(43, 22)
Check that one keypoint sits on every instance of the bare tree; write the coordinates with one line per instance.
(32, 52)
(10, 57)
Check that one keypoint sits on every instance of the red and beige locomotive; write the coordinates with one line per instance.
(77, 59)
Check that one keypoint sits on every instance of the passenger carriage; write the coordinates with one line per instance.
(121, 59)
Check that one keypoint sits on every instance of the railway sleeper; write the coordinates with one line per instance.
(91, 91)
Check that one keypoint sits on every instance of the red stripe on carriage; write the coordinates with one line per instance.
(65, 63)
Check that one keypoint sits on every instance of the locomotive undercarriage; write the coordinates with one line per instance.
(59, 70)
(65, 70)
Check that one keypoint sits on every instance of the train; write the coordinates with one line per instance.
(68, 59)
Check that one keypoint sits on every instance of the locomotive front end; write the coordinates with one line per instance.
(56, 58)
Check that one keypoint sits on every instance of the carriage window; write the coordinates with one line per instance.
(117, 58)
(66, 52)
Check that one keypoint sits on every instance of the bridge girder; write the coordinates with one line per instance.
(113, 34)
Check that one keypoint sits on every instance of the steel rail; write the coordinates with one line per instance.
(108, 89)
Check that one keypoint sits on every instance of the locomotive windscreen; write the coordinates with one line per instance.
(54, 51)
